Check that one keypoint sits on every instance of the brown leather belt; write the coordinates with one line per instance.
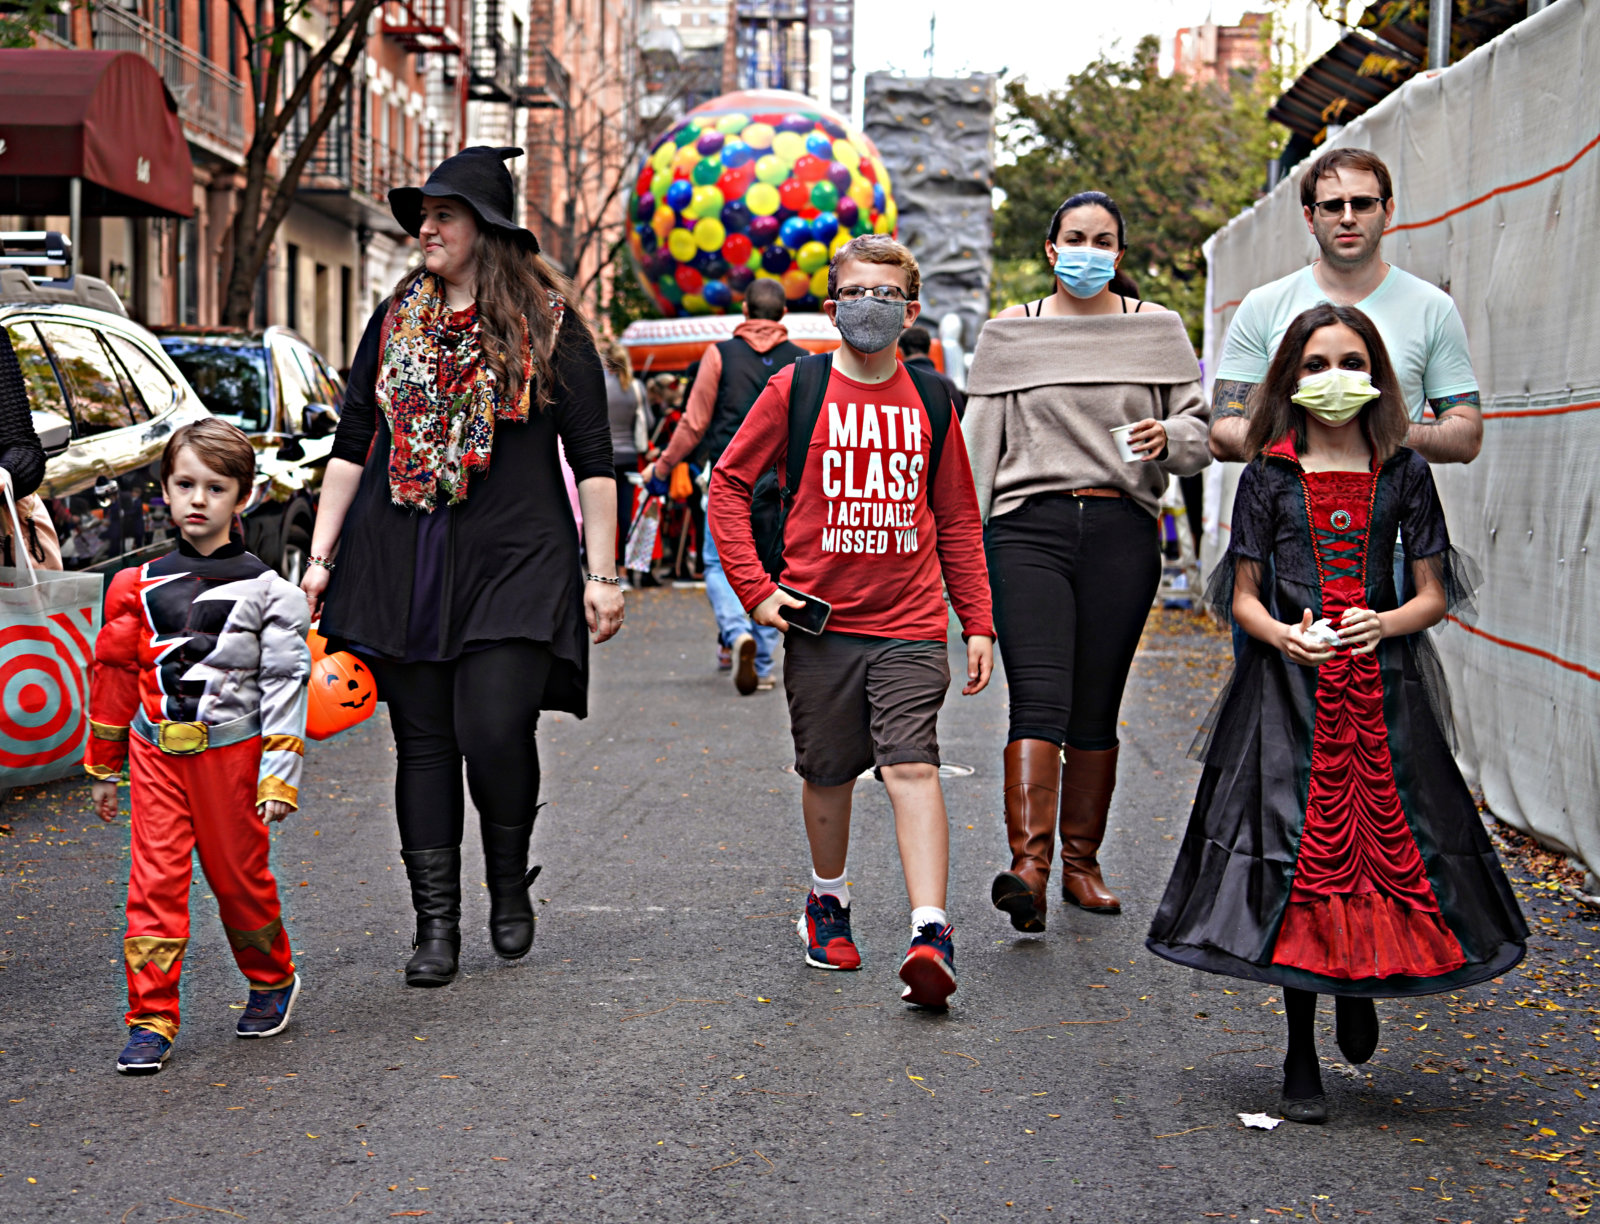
(1096, 493)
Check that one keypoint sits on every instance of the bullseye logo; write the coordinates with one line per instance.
(44, 691)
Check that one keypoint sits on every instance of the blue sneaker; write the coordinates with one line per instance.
(929, 969)
(825, 930)
(268, 1011)
(145, 1052)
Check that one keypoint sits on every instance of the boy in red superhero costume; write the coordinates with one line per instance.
(200, 676)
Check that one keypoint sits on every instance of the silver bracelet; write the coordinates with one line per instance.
(325, 562)
(616, 582)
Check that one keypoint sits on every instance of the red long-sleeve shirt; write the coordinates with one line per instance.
(863, 532)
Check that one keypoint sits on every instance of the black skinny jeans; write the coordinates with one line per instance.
(1073, 579)
(484, 707)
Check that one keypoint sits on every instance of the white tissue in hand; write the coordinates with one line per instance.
(1323, 631)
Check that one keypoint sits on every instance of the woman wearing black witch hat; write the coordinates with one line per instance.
(445, 551)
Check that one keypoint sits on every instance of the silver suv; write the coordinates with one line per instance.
(105, 397)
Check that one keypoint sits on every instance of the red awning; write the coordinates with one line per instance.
(103, 116)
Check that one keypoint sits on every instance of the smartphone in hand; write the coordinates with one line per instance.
(812, 618)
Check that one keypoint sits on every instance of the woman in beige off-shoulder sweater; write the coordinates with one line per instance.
(1071, 534)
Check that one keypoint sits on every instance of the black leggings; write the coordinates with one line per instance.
(484, 707)
(1073, 579)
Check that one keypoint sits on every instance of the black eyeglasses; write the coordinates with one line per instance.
(884, 293)
(1361, 206)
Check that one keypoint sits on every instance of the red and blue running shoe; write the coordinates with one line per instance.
(929, 969)
(825, 928)
(145, 1052)
(267, 1012)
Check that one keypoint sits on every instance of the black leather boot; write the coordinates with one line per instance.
(511, 917)
(435, 877)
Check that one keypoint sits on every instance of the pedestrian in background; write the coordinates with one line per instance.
(630, 429)
(731, 375)
(916, 350)
(1333, 847)
(444, 510)
(882, 511)
(1079, 408)
(1347, 197)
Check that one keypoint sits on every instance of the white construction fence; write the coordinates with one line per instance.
(1496, 164)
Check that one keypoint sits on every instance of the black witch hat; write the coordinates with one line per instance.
(477, 176)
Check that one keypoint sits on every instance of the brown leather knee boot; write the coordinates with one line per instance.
(1033, 774)
(1087, 780)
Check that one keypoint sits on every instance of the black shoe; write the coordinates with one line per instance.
(1312, 1110)
(1355, 1025)
(436, 896)
(511, 916)
(1011, 895)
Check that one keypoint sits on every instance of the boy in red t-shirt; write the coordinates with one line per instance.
(867, 534)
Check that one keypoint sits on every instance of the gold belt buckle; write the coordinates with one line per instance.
(182, 738)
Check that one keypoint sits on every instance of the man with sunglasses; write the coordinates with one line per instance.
(1348, 201)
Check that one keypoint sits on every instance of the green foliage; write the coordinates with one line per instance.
(22, 21)
(628, 300)
(1179, 159)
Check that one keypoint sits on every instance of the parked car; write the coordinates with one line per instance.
(105, 398)
(278, 389)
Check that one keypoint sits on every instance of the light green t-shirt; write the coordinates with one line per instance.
(1420, 326)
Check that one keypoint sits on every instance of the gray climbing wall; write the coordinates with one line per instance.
(936, 136)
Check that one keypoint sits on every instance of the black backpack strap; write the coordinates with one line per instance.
(936, 399)
(806, 393)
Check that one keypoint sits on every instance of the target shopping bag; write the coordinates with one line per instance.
(48, 623)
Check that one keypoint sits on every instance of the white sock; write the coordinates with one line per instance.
(837, 888)
(924, 914)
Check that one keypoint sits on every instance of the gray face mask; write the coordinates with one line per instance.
(869, 325)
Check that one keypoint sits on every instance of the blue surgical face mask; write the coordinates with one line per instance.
(1084, 270)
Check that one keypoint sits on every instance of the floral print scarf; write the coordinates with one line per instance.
(441, 427)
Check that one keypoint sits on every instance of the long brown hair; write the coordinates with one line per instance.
(515, 284)
(1274, 414)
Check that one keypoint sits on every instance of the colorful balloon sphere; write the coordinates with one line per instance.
(750, 185)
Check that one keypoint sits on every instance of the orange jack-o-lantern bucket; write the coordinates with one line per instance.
(342, 693)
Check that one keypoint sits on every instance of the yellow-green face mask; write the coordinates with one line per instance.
(1335, 396)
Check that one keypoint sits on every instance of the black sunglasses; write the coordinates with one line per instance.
(1360, 205)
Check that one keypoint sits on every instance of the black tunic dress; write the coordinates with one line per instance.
(1333, 845)
(511, 566)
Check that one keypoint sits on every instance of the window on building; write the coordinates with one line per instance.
(203, 29)
(346, 305)
(291, 287)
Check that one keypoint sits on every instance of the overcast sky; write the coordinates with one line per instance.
(1046, 41)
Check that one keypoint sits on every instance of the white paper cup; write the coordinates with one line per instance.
(1119, 435)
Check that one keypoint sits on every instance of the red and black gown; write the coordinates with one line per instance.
(1333, 845)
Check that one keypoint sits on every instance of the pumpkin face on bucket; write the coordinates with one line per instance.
(341, 694)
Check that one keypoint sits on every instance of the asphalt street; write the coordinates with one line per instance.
(665, 1054)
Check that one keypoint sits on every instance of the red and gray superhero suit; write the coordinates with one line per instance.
(200, 676)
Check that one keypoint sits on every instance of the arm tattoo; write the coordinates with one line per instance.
(1228, 398)
(1467, 399)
